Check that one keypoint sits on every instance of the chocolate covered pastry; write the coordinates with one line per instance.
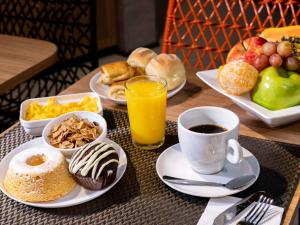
(95, 165)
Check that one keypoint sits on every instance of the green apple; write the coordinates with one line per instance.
(277, 88)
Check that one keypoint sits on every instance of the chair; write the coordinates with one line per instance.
(202, 32)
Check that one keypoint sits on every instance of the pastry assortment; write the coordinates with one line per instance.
(73, 132)
(37, 111)
(268, 69)
(142, 61)
(38, 175)
(95, 165)
(41, 174)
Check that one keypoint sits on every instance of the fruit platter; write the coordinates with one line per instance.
(262, 75)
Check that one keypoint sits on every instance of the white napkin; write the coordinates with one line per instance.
(216, 206)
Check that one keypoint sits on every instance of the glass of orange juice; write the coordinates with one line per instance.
(146, 98)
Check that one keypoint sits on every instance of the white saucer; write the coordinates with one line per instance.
(102, 90)
(173, 163)
(79, 194)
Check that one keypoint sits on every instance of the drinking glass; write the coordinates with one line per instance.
(146, 98)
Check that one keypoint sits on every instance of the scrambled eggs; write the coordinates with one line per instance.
(52, 109)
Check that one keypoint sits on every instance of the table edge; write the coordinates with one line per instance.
(34, 70)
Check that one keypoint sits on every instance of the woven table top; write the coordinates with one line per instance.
(140, 197)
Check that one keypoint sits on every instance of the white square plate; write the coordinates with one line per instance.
(35, 127)
(272, 118)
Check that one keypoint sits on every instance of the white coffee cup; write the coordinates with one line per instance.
(207, 152)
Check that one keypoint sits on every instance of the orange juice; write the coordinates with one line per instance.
(146, 103)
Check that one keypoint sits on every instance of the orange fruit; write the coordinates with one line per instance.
(237, 77)
(219, 71)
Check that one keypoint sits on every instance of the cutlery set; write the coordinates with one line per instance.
(260, 202)
(256, 214)
(260, 205)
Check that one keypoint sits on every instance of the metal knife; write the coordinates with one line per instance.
(230, 213)
(235, 183)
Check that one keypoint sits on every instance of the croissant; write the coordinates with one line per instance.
(116, 71)
(117, 90)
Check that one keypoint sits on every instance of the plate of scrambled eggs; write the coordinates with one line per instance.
(37, 112)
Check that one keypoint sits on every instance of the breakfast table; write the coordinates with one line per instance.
(196, 93)
(127, 200)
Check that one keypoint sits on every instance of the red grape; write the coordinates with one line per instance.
(285, 49)
(269, 48)
(261, 62)
(291, 63)
(275, 60)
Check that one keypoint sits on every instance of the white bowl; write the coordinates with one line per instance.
(35, 127)
(90, 116)
(272, 118)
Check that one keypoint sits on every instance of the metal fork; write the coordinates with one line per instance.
(255, 215)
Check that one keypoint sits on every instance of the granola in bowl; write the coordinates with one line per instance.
(69, 132)
(73, 132)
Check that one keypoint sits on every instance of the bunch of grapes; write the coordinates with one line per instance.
(280, 54)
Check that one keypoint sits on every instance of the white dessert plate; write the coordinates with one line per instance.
(102, 90)
(78, 195)
(173, 163)
(272, 118)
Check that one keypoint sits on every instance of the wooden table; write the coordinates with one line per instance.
(196, 93)
(21, 58)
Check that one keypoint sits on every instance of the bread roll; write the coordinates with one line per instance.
(139, 59)
(169, 67)
(115, 71)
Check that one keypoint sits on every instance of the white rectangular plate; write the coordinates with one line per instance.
(272, 118)
(35, 127)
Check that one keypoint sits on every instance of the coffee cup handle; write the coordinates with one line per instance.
(234, 151)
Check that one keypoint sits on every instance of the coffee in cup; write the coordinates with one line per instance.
(208, 129)
(208, 136)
